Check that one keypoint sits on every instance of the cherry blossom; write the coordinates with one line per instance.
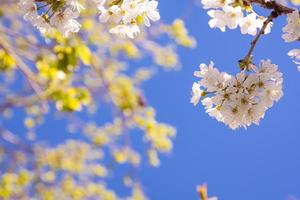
(60, 16)
(240, 100)
(223, 14)
(128, 16)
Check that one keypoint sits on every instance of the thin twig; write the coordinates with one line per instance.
(15, 34)
(19, 101)
(12, 138)
(272, 5)
(26, 71)
(277, 10)
(272, 16)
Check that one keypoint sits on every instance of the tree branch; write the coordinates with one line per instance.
(272, 5)
(247, 58)
(277, 10)
(26, 71)
(12, 138)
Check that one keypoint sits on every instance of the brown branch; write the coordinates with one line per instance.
(277, 10)
(272, 16)
(272, 5)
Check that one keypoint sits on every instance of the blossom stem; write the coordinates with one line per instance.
(247, 59)
(272, 5)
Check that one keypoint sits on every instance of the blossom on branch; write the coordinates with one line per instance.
(240, 100)
(231, 14)
(128, 16)
(45, 15)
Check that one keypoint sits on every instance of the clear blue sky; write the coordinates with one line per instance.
(260, 163)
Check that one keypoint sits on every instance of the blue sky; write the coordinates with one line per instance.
(260, 163)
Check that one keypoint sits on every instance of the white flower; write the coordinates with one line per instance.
(252, 22)
(229, 16)
(75, 6)
(127, 16)
(260, 22)
(207, 4)
(207, 102)
(212, 79)
(41, 25)
(196, 94)
(292, 29)
(64, 22)
(233, 16)
(113, 12)
(62, 18)
(132, 9)
(239, 100)
(254, 114)
(218, 19)
(150, 12)
(231, 115)
(131, 30)
(29, 9)
(249, 24)
(224, 14)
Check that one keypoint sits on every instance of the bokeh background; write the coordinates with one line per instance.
(260, 163)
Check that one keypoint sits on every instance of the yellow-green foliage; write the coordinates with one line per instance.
(77, 80)
(179, 32)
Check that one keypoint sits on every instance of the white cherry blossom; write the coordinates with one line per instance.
(218, 19)
(62, 18)
(233, 16)
(150, 12)
(64, 22)
(240, 100)
(225, 14)
(197, 93)
(249, 24)
(207, 4)
(128, 16)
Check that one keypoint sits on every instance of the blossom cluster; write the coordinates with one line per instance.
(228, 13)
(127, 15)
(58, 14)
(240, 100)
